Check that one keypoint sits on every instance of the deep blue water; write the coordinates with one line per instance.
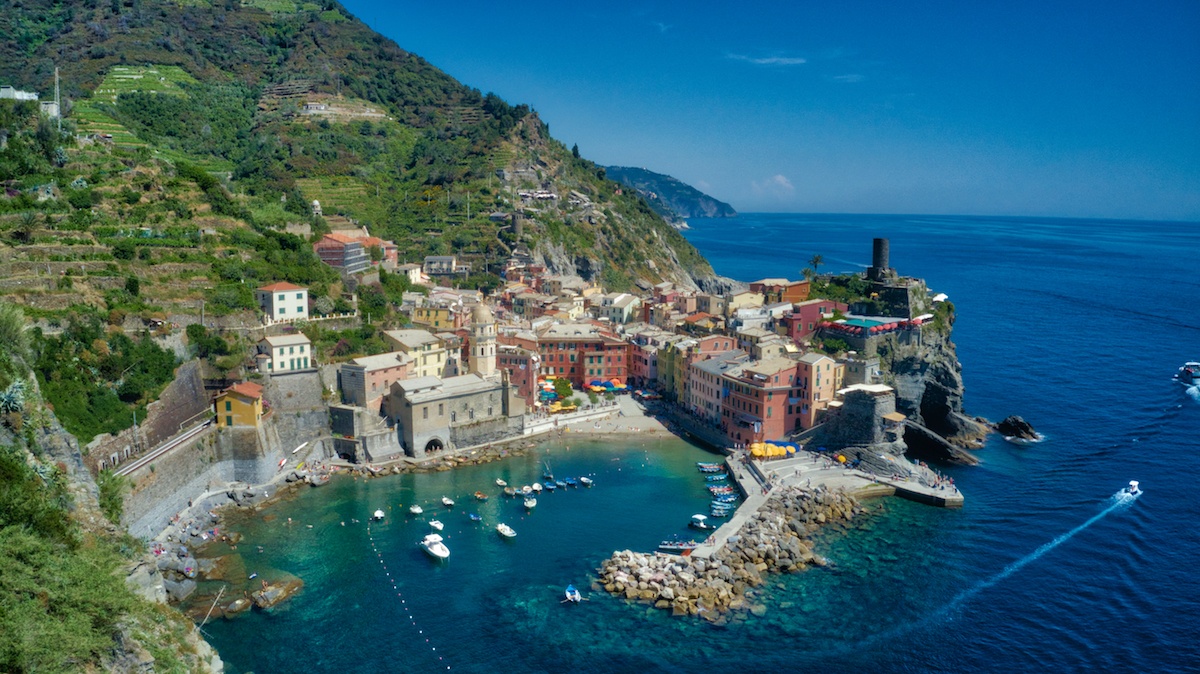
(1076, 325)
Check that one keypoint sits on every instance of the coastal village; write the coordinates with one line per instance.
(474, 379)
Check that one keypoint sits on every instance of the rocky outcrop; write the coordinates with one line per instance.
(1016, 428)
(775, 540)
(276, 593)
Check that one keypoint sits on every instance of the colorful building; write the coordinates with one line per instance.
(364, 381)
(806, 317)
(285, 353)
(428, 352)
(818, 378)
(239, 405)
(283, 301)
(775, 290)
(583, 353)
(756, 406)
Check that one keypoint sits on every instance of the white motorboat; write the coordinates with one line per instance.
(527, 490)
(447, 501)
(505, 530)
(378, 516)
(1133, 489)
(436, 524)
(700, 522)
(586, 481)
(1188, 374)
(537, 486)
(432, 544)
(415, 509)
(501, 483)
(530, 503)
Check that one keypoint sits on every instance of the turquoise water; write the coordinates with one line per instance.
(1075, 324)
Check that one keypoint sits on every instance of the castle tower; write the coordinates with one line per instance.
(483, 341)
(879, 260)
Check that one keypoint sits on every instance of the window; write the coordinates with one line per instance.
(281, 297)
(301, 348)
(228, 406)
(425, 412)
(471, 413)
(441, 409)
(453, 416)
(291, 350)
(299, 296)
(228, 421)
(282, 310)
(489, 411)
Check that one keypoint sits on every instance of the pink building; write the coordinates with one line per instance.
(706, 388)
(364, 381)
(818, 378)
(522, 366)
(806, 317)
(757, 405)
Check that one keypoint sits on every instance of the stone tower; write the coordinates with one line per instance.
(483, 341)
(879, 260)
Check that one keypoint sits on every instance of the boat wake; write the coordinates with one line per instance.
(1194, 392)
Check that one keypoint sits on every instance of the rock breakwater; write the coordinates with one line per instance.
(774, 540)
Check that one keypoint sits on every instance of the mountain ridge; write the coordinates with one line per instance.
(670, 197)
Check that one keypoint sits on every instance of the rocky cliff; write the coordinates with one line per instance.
(927, 376)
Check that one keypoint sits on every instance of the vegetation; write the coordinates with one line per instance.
(112, 494)
(669, 197)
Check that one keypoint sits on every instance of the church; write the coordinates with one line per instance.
(434, 414)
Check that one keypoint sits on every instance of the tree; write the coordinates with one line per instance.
(133, 286)
(575, 150)
(809, 273)
(815, 262)
(562, 387)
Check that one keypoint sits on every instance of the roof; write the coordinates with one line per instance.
(424, 389)
(754, 332)
(894, 416)
(411, 338)
(770, 366)
(773, 281)
(568, 330)
(282, 285)
(382, 361)
(246, 388)
(287, 340)
(812, 358)
(720, 363)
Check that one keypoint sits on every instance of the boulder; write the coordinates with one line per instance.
(274, 593)
(178, 591)
(1016, 427)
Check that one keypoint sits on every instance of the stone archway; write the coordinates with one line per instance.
(434, 445)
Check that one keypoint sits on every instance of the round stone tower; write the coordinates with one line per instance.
(483, 341)
(879, 260)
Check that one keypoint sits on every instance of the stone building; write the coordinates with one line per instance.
(433, 414)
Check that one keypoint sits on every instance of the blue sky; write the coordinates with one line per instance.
(1054, 108)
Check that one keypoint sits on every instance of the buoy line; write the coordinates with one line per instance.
(400, 595)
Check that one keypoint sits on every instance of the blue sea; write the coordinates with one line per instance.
(1077, 325)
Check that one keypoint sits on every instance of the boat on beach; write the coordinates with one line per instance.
(432, 544)
(505, 530)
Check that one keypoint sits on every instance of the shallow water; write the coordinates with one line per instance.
(1077, 325)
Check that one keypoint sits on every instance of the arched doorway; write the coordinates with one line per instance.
(434, 445)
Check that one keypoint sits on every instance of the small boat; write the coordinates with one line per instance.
(720, 477)
(1188, 374)
(527, 490)
(432, 544)
(586, 481)
(415, 509)
(505, 530)
(550, 486)
(573, 595)
(561, 484)
(571, 482)
(715, 513)
(707, 464)
(1133, 489)
(509, 491)
(700, 522)
(530, 503)
(677, 545)
(537, 486)
(480, 496)
(447, 501)
(475, 517)
(377, 516)
(547, 474)
(726, 498)
(501, 483)
(436, 524)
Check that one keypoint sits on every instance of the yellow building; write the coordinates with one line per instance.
(239, 405)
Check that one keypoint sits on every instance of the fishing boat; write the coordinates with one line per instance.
(527, 490)
(700, 522)
(480, 496)
(547, 474)
(719, 477)
(573, 595)
(586, 481)
(550, 486)
(509, 491)
(537, 486)
(501, 483)
(433, 545)
(447, 501)
(377, 516)
(726, 498)
(707, 464)
(415, 509)
(677, 545)
(475, 517)
(505, 530)
(530, 503)
(571, 482)
(719, 513)
(561, 484)
(435, 524)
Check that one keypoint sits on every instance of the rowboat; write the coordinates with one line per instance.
(550, 486)
(571, 482)
(475, 517)
(509, 491)
(505, 530)
(720, 477)
(530, 503)
(501, 483)
(586, 481)
(573, 595)
(480, 496)
(447, 501)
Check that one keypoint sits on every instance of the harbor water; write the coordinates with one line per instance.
(1077, 325)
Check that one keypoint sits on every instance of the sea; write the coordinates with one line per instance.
(1076, 325)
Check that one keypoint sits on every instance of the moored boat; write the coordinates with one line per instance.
(480, 496)
(586, 481)
(550, 486)
(436, 525)
(530, 503)
(571, 482)
(537, 486)
(447, 501)
(415, 509)
(377, 516)
(501, 483)
(510, 491)
(561, 484)
(475, 517)
(505, 530)
(720, 477)
(527, 490)
(700, 522)
(433, 545)
(677, 545)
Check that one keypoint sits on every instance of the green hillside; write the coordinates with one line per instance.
(670, 197)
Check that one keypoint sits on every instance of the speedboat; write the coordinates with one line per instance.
(677, 545)
(501, 483)
(436, 524)
(573, 595)
(505, 530)
(432, 544)
(378, 516)
(586, 481)
(415, 509)
(1133, 489)
(530, 503)
(447, 501)
(1188, 374)
(700, 522)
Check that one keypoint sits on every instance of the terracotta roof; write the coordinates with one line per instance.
(340, 237)
(282, 285)
(246, 388)
(697, 317)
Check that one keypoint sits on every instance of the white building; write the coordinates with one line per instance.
(285, 353)
(283, 301)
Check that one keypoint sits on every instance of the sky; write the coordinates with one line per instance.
(1046, 108)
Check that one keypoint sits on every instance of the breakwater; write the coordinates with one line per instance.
(773, 540)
